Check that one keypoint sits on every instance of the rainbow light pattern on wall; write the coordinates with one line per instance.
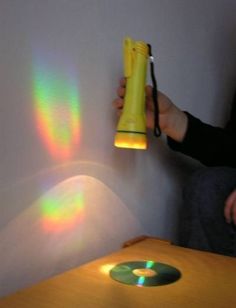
(57, 111)
(62, 212)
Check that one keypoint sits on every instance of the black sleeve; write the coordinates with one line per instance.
(212, 146)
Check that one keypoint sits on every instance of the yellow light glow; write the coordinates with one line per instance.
(105, 269)
(131, 141)
(144, 272)
(131, 146)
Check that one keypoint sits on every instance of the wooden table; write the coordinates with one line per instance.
(208, 280)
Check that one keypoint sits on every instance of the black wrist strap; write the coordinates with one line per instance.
(156, 130)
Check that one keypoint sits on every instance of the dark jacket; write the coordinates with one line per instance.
(212, 146)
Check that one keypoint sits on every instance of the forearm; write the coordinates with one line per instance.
(213, 146)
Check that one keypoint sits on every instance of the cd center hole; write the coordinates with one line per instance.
(144, 272)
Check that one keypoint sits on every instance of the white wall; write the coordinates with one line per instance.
(60, 62)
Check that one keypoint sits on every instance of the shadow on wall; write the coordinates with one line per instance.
(77, 220)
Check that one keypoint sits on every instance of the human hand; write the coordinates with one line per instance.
(172, 120)
(230, 208)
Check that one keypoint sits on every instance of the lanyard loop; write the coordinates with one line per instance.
(156, 130)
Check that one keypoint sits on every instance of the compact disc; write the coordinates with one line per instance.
(144, 273)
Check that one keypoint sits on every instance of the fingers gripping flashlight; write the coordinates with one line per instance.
(131, 129)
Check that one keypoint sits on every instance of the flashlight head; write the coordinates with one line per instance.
(130, 140)
(131, 132)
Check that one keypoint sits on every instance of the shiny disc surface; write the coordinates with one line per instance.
(145, 273)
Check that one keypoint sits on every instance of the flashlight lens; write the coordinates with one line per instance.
(131, 140)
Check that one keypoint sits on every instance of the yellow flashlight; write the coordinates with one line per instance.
(131, 129)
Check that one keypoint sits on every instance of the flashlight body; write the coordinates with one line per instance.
(131, 129)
